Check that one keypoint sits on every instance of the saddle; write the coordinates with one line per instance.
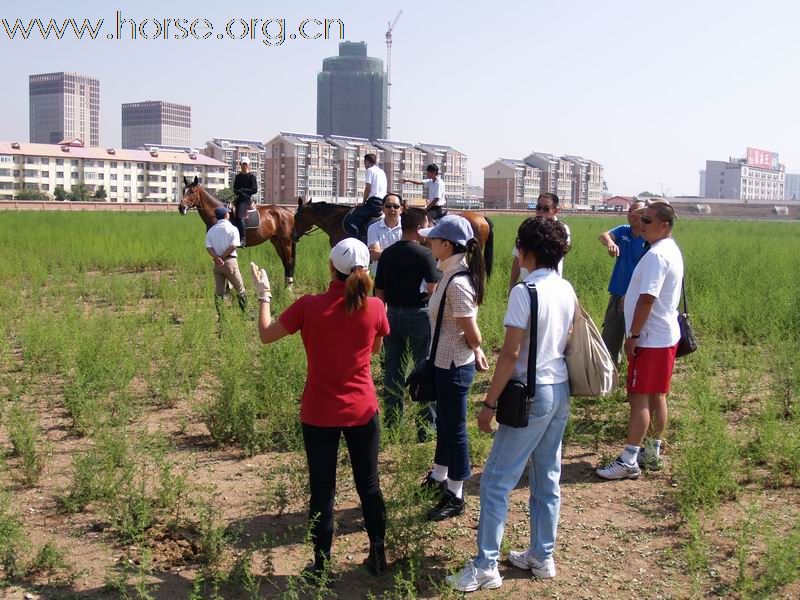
(252, 220)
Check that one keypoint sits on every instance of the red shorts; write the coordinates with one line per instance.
(650, 370)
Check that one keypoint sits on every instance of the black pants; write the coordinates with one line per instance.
(242, 206)
(355, 222)
(322, 447)
(436, 213)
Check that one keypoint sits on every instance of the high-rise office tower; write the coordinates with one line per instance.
(64, 106)
(154, 122)
(352, 94)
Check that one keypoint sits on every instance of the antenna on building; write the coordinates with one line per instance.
(389, 71)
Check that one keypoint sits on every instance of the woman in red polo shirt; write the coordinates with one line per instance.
(339, 395)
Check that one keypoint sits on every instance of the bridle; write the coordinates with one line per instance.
(311, 230)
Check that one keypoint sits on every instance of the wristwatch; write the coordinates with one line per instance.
(630, 335)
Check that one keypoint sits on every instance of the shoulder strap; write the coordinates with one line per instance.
(440, 315)
(683, 293)
(534, 337)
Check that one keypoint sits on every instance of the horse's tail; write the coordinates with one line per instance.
(488, 249)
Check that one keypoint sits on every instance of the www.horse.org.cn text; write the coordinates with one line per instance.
(269, 31)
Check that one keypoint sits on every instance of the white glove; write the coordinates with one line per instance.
(261, 282)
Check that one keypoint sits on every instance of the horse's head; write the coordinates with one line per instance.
(303, 220)
(191, 195)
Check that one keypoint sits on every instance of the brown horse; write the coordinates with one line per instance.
(277, 223)
(330, 217)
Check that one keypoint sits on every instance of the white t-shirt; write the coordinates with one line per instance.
(376, 179)
(434, 188)
(383, 235)
(556, 311)
(523, 272)
(659, 273)
(221, 236)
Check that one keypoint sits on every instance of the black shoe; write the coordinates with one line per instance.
(449, 506)
(429, 483)
(376, 561)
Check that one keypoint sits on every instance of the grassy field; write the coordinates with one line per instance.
(149, 452)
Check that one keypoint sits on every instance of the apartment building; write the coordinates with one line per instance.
(452, 168)
(403, 160)
(332, 168)
(125, 175)
(511, 183)
(349, 172)
(64, 106)
(587, 181)
(231, 151)
(556, 175)
(516, 183)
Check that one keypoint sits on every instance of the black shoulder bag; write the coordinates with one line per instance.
(688, 343)
(513, 405)
(421, 385)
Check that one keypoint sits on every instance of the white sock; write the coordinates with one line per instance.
(457, 487)
(629, 454)
(439, 472)
(657, 447)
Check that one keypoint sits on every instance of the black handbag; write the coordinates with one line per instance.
(421, 385)
(514, 403)
(688, 342)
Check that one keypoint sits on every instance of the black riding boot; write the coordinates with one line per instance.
(376, 560)
(243, 302)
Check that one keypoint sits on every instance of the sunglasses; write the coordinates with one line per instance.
(394, 206)
(646, 220)
(544, 208)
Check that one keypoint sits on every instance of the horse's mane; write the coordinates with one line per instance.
(326, 206)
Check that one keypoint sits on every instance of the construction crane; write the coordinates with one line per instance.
(389, 71)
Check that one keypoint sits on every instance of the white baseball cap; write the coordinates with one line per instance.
(245, 161)
(349, 254)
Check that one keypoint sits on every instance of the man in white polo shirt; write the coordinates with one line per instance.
(221, 243)
(374, 191)
(651, 321)
(547, 207)
(433, 192)
(382, 234)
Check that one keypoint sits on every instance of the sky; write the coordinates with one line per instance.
(651, 90)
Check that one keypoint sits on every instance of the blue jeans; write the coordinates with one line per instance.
(540, 442)
(452, 444)
(410, 328)
(355, 223)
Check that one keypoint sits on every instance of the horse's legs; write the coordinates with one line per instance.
(285, 249)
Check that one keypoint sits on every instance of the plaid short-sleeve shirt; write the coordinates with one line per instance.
(460, 302)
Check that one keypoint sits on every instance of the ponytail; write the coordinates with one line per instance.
(477, 269)
(357, 288)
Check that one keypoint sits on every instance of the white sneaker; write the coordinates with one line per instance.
(472, 578)
(543, 569)
(618, 469)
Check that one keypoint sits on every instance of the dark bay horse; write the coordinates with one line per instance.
(329, 218)
(277, 223)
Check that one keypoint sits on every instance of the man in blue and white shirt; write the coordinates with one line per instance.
(626, 244)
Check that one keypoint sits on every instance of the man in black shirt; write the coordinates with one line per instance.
(244, 186)
(405, 278)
